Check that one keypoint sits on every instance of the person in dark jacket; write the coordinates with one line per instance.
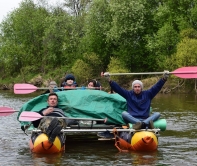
(69, 82)
(139, 101)
(51, 125)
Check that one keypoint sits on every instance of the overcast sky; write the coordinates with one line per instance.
(9, 5)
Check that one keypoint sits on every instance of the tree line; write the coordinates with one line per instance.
(86, 37)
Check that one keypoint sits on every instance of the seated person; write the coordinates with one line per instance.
(98, 84)
(51, 125)
(52, 88)
(69, 82)
(139, 101)
(94, 84)
(91, 83)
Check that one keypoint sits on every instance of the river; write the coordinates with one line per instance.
(177, 145)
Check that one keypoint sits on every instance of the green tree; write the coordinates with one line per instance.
(131, 22)
(89, 67)
(22, 33)
(163, 45)
(96, 25)
(117, 66)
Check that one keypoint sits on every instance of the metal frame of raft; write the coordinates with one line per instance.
(75, 131)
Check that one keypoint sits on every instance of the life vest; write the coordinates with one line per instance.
(67, 87)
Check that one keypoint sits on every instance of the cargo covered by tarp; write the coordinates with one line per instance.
(83, 104)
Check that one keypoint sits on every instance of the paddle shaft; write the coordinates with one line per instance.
(102, 130)
(90, 119)
(59, 88)
(32, 116)
(149, 73)
(6, 111)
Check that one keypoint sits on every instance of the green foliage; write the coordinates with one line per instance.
(189, 33)
(55, 45)
(116, 66)
(96, 25)
(22, 37)
(123, 36)
(187, 52)
(80, 69)
(163, 44)
(87, 68)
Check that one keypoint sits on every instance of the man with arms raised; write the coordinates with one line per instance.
(139, 101)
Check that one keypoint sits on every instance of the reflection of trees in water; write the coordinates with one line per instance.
(144, 158)
(47, 158)
(137, 158)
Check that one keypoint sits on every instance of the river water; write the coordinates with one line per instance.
(177, 145)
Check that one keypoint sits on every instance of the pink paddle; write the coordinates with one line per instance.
(183, 72)
(28, 88)
(6, 111)
(186, 72)
(28, 116)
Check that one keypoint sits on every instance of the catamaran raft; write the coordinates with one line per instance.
(92, 106)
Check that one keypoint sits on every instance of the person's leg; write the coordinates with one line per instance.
(128, 118)
(71, 122)
(155, 116)
(56, 131)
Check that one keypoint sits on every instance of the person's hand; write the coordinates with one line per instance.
(106, 75)
(24, 128)
(48, 111)
(166, 74)
(51, 89)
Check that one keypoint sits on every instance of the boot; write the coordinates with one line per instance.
(52, 126)
(55, 133)
(137, 126)
(151, 125)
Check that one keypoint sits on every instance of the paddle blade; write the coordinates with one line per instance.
(186, 72)
(27, 116)
(24, 88)
(6, 111)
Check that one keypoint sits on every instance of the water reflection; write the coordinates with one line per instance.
(47, 159)
(138, 158)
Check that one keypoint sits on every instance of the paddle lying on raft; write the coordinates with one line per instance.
(6, 111)
(29, 88)
(183, 72)
(27, 116)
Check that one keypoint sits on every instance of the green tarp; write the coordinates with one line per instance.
(83, 104)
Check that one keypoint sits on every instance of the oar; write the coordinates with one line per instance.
(183, 72)
(27, 116)
(29, 88)
(6, 111)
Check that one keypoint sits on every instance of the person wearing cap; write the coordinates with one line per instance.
(69, 82)
(139, 101)
(52, 88)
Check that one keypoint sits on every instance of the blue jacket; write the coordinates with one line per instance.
(138, 105)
